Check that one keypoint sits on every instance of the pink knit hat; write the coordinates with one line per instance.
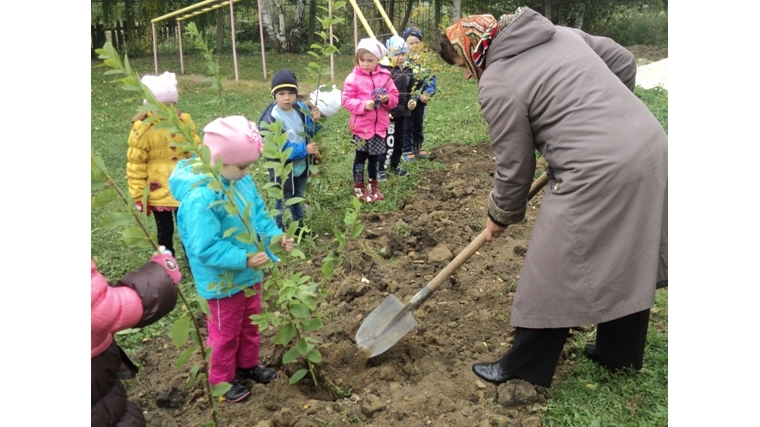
(164, 87)
(374, 46)
(235, 139)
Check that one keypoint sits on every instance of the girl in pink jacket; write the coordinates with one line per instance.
(369, 95)
(136, 300)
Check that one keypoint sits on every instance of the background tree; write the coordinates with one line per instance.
(220, 29)
(456, 10)
(285, 29)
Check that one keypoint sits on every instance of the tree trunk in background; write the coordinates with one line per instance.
(273, 15)
(297, 31)
(407, 13)
(390, 10)
(548, 9)
(219, 30)
(437, 17)
(312, 22)
(272, 29)
(579, 16)
(456, 11)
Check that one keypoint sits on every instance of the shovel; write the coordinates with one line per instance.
(391, 320)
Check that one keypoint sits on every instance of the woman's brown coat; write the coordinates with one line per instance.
(600, 240)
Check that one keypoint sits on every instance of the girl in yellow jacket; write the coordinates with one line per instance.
(151, 158)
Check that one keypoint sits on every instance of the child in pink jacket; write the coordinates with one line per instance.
(369, 95)
(138, 299)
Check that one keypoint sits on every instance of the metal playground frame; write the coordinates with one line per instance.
(205, 7)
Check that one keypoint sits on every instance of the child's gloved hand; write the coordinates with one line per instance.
(139, 207)
(167, 261)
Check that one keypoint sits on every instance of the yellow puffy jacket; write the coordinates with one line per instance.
(151, 159)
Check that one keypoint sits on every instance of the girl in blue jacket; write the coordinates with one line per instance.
(222, 265)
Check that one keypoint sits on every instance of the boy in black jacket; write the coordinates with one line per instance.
(402, 78)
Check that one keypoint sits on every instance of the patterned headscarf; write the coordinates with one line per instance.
(471, 37)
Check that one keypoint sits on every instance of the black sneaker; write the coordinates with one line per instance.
(259, 374)
(237, 393)
(381, 176)
(399, 171)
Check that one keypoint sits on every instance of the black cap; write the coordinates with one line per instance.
(284, 80)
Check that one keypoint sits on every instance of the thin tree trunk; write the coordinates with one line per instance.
(312, 22)
(407, 14)
(548, 9)
(437, 16)
(219, 30)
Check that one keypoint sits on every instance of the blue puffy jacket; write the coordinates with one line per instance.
(311, 128)
(213, 256)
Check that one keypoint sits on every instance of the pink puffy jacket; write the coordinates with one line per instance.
(113, 309)
(137, 299)
(357, 89)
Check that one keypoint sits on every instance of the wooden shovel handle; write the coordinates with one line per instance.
(537, 185)
(467, 252)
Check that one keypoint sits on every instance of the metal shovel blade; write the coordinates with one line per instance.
(385, 326)
(391, 320)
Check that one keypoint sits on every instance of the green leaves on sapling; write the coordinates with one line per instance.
(180, 331)
(103, 198)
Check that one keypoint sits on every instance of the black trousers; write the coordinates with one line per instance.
(414, 134)
(393, 142)
(535, 352)
(165, 229)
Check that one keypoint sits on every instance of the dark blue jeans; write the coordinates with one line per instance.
(413, 130)
(294, 187)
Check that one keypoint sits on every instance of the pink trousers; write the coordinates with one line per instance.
(234, 340)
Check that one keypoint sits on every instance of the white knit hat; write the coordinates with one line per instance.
(374, 46)
(164, 87)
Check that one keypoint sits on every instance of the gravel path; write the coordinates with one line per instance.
(653, 74)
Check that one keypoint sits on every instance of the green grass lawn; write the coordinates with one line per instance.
(589, 396)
